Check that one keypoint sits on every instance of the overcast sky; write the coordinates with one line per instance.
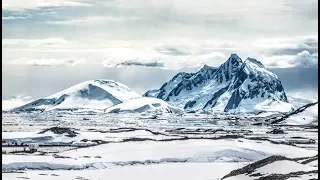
(49, 45)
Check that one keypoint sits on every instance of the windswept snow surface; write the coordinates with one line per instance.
(94, 94)
(98, 145)
(190, 151)
(184, 171)
(308, 116)
(281, 167)
(276, 167)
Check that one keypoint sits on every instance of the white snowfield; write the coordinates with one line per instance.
(184, 171)
(307, 116)
(50, 138)
(91, 145)
(143, 153)
(263, 105)
(298, 101)
(280, 168)
(144, 104)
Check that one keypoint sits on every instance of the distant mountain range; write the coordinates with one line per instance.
(108, 95)
(236, 86)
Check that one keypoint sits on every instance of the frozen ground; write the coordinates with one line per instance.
(92, 145)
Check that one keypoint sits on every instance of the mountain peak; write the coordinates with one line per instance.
(235, 86)
(234, 60)
(205, 66)
(234, 57)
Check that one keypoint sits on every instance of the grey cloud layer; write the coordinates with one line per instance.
(123, 37)
(171, 17)
(273, 52)
(147, 64)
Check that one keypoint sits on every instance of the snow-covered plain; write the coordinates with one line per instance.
(98, 145)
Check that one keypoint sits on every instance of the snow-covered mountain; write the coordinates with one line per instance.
(93, 94)
(235, 86)
(143, 104)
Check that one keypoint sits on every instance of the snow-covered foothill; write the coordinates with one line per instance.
(93, 94)
(308, 115)
(143, 104)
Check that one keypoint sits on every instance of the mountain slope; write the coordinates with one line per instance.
(143, 104)
(304, 115)
(94, 94)
(235, 86)
(298, 102)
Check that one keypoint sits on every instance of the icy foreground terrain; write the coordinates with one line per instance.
(92, 145)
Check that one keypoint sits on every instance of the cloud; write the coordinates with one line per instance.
(48, 61)
(158, 60)
(33, 43)
(145, 64)
(290, 46)
(9, 103)
(309, 94)
(305, 10)
(13, 17)
(92, 20)
(55, 52)
(184, 53)
(297, 51)
(167, 50)
(305, 59)
(20, 5)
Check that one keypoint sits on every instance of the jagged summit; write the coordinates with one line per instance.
(234, 55)
(235, 86)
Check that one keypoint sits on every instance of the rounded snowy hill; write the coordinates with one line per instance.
(93, 94)
(143, 104)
